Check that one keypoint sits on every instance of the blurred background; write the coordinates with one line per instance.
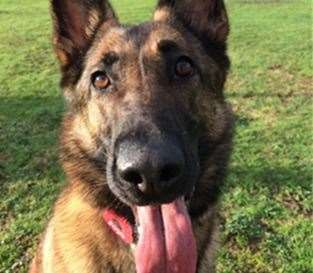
(266, 218)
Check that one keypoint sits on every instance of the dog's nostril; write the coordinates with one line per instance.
(132, 176)
(169, 172)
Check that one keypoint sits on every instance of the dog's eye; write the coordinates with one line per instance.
(184, 67)
(100, 80)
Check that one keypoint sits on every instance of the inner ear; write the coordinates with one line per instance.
(75, 25)
(205, 18)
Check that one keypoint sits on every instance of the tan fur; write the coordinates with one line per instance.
(162, 14)
(85, 244)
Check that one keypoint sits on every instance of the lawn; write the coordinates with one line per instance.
(266, 218)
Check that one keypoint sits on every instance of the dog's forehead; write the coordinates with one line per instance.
(112, 40)
(152, 33)
(133, 40)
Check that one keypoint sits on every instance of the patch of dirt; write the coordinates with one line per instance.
(3, 159)
(296, 206)
(5, 219)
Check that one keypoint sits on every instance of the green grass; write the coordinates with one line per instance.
(266, 214)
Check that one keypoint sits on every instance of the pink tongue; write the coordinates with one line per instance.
(166, 243)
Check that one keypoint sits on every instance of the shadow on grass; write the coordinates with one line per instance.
(28, 137)
(275, 178)
(29, 128)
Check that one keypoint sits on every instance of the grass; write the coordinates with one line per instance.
(266, 214)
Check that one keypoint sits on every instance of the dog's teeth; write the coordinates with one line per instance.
(139, 230)
(133, 247)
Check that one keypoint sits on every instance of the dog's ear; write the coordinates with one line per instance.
(75, 23)
(207, 19)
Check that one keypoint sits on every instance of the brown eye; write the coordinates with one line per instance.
(184, 67)
(100, 80)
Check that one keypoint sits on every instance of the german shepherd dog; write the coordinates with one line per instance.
(145, 141)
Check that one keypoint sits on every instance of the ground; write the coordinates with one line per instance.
(266, 219)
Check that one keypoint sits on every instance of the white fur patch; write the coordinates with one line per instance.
(47, 250)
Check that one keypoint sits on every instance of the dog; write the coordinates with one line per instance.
(145, 140)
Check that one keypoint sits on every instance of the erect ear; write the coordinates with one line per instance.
(75, 23)
(207, 19)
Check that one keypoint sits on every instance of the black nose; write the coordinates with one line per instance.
(152, 168)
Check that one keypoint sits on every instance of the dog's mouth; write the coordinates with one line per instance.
(162, 237)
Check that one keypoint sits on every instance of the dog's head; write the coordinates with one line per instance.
(147, 123)
(142, 99)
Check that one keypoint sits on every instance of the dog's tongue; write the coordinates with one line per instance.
(166, 243)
